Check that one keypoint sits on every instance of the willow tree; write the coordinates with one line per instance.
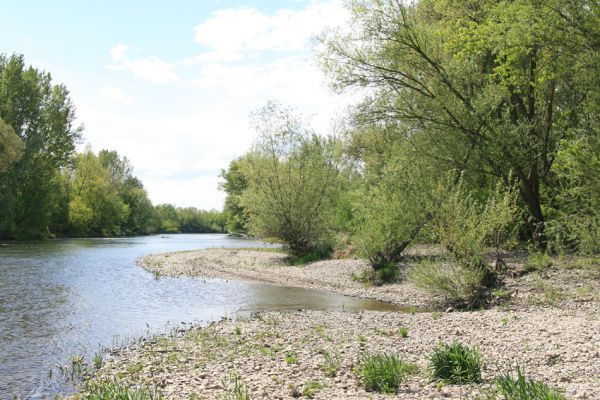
(490, 87)
(291, 176)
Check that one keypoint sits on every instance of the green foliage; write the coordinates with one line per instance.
(11, 146)
(493, 90)
(113, 390)
(537, 262)
(455, 364)
(396, 201)
(42, 116)
(461, 286)
(234, 184)
(332, 364)
(466, 227)
(292, 182)
(384, 372)
(318, 253)
(508, 387)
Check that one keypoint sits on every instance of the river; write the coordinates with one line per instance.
(62, 298)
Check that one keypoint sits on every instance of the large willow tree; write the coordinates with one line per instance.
(489, 87)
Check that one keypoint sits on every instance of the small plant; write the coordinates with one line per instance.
(403, 331)
(537, 262)
(238, 330)
(235, 389)
(98, 361)
(456, 364)
(291, 357)
(113, 390)
(508, 387)
(436, 315)
(332, 364)
(384, 372)
(311, 388)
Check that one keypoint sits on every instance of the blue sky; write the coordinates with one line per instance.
(170, 84)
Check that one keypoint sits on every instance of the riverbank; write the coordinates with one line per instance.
(549, 325)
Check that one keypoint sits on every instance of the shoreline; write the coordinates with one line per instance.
(313, 354)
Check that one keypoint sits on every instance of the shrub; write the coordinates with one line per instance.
(461, 286)
(456, 364)
(384, 372)
(113, 390)
(537, 262)
(508, 387)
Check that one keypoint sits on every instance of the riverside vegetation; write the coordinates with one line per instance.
(469, 176)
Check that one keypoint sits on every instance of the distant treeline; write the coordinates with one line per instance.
(49, 190)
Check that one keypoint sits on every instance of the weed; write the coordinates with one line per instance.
(508, 387)
(456, 364)
(436, 315)
(291, 357)
(235, 389)
(384, 372)
(311, 388)
(403, 331)
(113, 390)
(98, 361)
(332, 363)
(238, 330)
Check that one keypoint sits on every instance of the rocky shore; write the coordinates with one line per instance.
(550, 326)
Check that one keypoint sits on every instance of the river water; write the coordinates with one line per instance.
(69, 297)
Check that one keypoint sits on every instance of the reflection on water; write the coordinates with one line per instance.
(66, 297)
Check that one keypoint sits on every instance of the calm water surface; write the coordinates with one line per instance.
(70, 297)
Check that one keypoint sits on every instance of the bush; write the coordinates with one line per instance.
(456, 364)
(467, 227)
(507, 387)
(384, 372)
(537, 262)
(461, 286)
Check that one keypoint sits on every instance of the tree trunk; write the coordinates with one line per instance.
(531, 196)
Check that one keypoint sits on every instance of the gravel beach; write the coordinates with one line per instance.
(550, 327)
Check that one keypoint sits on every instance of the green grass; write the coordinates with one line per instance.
(519, 387)
(113, 390)
(313, 255)
(455, 363)
(332, 364)
(403, 331)
(235, 389)
(311, 388)
(384, 372)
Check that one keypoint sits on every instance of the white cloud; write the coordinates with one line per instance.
(116, 95)
(178, 147)
(236, 33)
(150, 69)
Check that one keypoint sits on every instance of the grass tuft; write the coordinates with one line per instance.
(384, 372)
(455, 363)
(235, 389)
(509, 387)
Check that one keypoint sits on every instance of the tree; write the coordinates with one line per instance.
(492, 88)
(235, 184)
(291, 181)
(43, 116)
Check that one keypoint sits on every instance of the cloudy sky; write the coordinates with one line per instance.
(171, 84)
